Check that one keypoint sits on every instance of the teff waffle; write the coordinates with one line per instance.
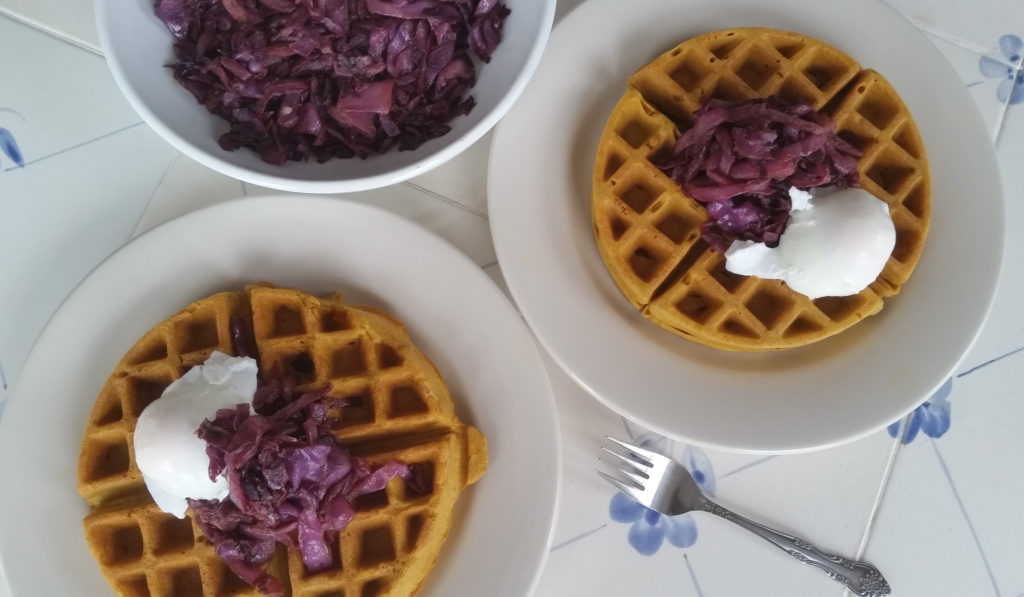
(648, 230)
(397, 408)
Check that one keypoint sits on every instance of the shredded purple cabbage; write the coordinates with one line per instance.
(290, 481)
(739, 160)
(301, 79)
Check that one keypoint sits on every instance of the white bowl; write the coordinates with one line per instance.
(138, 46)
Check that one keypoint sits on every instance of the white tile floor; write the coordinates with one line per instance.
(945, 523)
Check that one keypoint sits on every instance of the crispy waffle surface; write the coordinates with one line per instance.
(397, 408)
(648, 231)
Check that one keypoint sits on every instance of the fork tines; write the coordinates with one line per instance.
(633, 466)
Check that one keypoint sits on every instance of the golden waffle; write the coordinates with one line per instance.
(648, 230)
(398, 408)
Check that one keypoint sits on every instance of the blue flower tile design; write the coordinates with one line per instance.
(648, 529)
(8, 145)
(932, 417)
(1011, 87)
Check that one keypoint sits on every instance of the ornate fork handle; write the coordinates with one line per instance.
(860, 577)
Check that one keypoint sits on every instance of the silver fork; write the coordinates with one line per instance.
(663, 485)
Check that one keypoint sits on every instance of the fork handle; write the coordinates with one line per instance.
(860, 577)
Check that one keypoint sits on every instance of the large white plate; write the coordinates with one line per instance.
(821, 395)
(454, 313)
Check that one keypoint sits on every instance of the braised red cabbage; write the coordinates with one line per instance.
(301, 79)
(290, 481)
(739, 160)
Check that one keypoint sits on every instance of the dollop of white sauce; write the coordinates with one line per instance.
(170, 455)
(836, 244)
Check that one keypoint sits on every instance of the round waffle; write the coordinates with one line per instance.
(397, 407)
(648, 230)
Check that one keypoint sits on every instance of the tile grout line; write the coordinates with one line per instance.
(1001, 119)
(156, 189)
(1006, 107)
(693, 576)
(967, 519)
(76, 146)
(749, 465)
(991, 361)
(962, 43)
(444, 199)
(883, 487)
(40, 27)
(572, 540)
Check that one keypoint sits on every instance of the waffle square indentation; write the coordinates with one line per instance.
(371, 501)
(698, 306)
(155, 349)
(334, 320)
(197, 335)
(111, 411)
(122, 544)
(645, 262)
(639, 196)
(287, 321)
(376, 546)
(890, 172)
(837, 308)
(357, 408)
(634, 133)
(142, 391)
(388, 357)
(348, 360)
(768, 307)
(406, 400)
(134, 585)
(173, 535)
(184, 581)
(878, 113)
(413, 528)
(689, 72)
(106, 458)
(757, 67)
(678, 228)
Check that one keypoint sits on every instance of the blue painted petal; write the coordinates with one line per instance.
(894, 428)
(1017, 95)
(913, 427)
(1010, 45)
(646, 539)
(623, 509)
(1004, 89)
(682, 531)
(942, 394)
(935, 419)
(990, 67)
(10, 147)
(699, 465)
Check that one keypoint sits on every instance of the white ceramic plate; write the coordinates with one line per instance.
(138, 46)
(827, 393)
(453, 311)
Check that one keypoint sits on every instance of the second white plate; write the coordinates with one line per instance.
(827, 393)
(453, 312)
